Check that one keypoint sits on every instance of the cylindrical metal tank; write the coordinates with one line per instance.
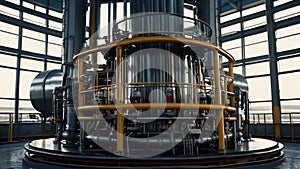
(41, 90)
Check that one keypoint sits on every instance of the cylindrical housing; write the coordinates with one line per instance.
(41, 90)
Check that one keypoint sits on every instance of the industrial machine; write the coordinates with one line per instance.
(150, 90)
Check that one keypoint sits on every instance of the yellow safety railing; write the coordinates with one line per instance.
(263, 119)
(9, 120)
(82, 77)
(10, 125)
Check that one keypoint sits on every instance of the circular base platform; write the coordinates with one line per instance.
(44, 153)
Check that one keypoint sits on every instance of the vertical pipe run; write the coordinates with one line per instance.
(74, 37)
(217, 82)
(231, 85)
(120, 99)
(276, 108)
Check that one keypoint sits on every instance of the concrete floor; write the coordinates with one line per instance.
(11, 156)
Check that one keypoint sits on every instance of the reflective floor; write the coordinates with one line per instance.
(11, 156)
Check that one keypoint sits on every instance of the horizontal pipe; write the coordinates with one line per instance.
(165, 139)
(153, 39)
(188, 106)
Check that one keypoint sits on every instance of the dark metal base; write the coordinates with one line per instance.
(44, 153)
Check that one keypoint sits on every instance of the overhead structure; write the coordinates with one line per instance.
(147, 90)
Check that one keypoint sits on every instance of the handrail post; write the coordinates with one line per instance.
(10, 127)
(292, 127)
(258, 124)
(265, 124)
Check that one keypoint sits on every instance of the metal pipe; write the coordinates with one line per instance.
(218, 100)
(120, 91)
(146, 106)
(74, 37)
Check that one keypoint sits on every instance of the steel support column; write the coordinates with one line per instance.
(18, 70)
(276, 108)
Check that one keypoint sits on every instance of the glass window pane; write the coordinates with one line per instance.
(289, 85)
(11, 43)
(26, 78)
(231, 29)
(55, 40)
(26, 107)
(8, 85)
(238, 70)
(288, 64)
(277, 3)
(55, 25)
(253, 10)
(288, 31)
(259, 88)
(256, 38)
(33, 34)
(54, 50)
(231, 44)
(9, 11)
(52, 66)
(32, 64)
(236, 53)
(255, 23)
(229, 17)
(8, 60)
(265, 107)
(9, 28)
(288, 13)
(14, 1)
(32, 45)
(257, 69)
(7, 106)
(258, 49)
(288, 43)
(28, 5)
(40, 9)
(34, 19)
(55, 14)
(290, 106)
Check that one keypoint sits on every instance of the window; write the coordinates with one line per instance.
(253, 10)
(259, 88)
(288, 13)
(8, 85)
(32, 64)
(289, 64)
(52, 66)
(289, 85)
(34, 19)
(8, 60)
(229, 17)
(253, 23)
(288, 43)
(26, 79)
(10, 32)
(261, 37)
(231, 29)
(9, 12)
(257, 69)
(256, 49)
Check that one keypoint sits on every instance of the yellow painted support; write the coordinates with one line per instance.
(120, 118)
(217, 83)
(10, 128)
(80, 86)
(231, 84)
(277, 121)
